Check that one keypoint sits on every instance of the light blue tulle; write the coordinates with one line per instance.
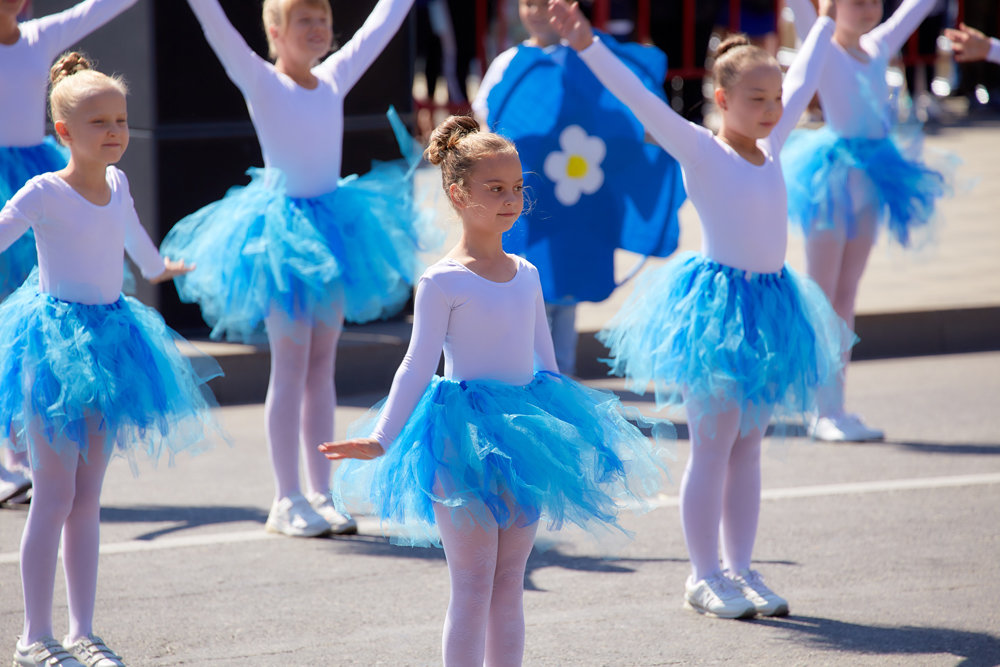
(553, 450)
(723, 338)
(818, 164)
(69, 368)
(18, 165)
(352, 252)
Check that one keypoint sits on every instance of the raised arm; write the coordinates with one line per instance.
(242, 63)
(670, 130)
(972, 45)
(802, 78)
(57, 32)
(894, 32)
(805, 16)
(352, 59)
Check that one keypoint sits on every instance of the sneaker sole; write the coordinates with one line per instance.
(749, 613)
(781, 610)
(273, 529)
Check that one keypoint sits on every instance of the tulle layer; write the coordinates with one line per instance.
(499, 454)
(701, 331)
(74, 375)
(18, 165)
(819, 165)
(350, 253)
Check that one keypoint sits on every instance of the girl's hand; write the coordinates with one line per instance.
(571, 24)
(969, 44)
(828, 8)
(172, 270)
(358, 448)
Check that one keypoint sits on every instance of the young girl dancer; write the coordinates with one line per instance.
(971, 45)
(853, 175)
(299, 249)
(731, 333)
(27, 49)
(502, 440)
(86, 372)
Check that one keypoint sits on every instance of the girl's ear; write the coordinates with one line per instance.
(720, 99)
(61, 130)
(273, 32)
(456, 195)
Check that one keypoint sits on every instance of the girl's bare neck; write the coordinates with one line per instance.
(89, 179)
(300, 73)
(745, 146)
(847, 40)
(485, 256)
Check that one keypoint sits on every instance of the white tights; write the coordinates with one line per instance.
(66, 499)
(720, 489)
(301, 400)
(485, 621)
(837, 263)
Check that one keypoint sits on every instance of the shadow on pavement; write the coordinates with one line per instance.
(183, 518)
(976, 649)
(975, 449)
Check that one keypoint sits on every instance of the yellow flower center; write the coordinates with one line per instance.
(576, 167)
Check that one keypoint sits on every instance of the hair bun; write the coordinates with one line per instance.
(447, 136)
(68, 65)
(732, 42)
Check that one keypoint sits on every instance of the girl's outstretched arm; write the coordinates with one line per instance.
(356, 448)
(242, 63)
(669, 129)
(805, 16)
(971, 45)
(352, 59)
(60, 31)
(904, 21)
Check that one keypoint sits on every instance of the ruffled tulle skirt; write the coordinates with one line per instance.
(350, 253)
(822, 170)
(717, 336)
(75, 375)
(500, 454)
(17, 166)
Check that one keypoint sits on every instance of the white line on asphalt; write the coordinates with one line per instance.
(877, 486)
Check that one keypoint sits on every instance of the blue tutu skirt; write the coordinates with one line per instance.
(18, 165)
(70, 370)
(501, 454)
(708, 333)
(351, 253)
(818, 165)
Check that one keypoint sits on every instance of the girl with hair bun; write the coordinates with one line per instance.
(86, 373)
(299, 250)
(27, 49)
(502, 442)
(730, 333)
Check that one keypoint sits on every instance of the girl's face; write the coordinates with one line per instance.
(97, 129)
(307, 35)
(494, 195)
(752, 106)
(535, 18)
(858, 16)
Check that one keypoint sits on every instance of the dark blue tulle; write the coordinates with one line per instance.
(499, 454)
(18, 165)
(818, 164)
(68, 368)
(349, 253)
(694, 327)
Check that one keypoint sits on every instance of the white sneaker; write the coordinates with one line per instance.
(46, 652)
(764, 600)
(843, 428)
(13, 483)
(339, 524)
(93, 652)
(295, 517)
(717, 596)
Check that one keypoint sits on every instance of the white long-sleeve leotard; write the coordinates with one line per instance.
(994, 55)
(742, 206)
(855, 94)
(487, 330)
(79, 243)
(24, 65)
(300, 130)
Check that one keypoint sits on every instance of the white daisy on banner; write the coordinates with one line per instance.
(576, 169)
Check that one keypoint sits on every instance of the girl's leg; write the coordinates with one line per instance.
(505, 628)
(51, 503)
(713, 435)
(289, 341)
(824, 258)
(741, 502)
(82, 540)
(318, 405)
(471, 551)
